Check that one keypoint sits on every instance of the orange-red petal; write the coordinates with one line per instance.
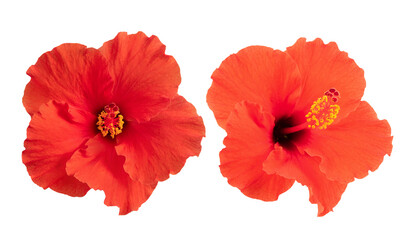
(257, 74)
(324, 66)
(248, 144)
(69, 73)
(55, 132)
(145, 78)
(160, 147)
(305, 169)
(98, 165)
(352, 147)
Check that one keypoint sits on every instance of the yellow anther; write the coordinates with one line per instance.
(110, 121)
(323, 111)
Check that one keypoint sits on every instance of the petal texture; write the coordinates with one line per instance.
(248, 144)
(145, 78)
(257, 74)
(324, 66)
(54, 134)
(352, 147)
(305, 169)
(69, 73)
(160, 147)
(101, 168)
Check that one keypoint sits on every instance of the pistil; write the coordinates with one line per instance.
(294, 129)
(110, 120)
(322, 113)
(324, 110)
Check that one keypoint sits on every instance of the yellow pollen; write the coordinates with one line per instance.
(110, 121)
(324, 111)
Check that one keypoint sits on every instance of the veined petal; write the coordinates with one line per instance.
(69, 73)
(145, 78)
(55, 132)
(324, 66)
(352, 147)
(257, 74)
(98, 165)
(305, 169)
(248, 144)
(160, 147)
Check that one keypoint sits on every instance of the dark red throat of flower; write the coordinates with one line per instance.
(110, 121)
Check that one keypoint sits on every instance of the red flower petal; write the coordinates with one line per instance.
(101, 168)
(256, 74)
(352, 147)
(54, 134)
(305, 169)
(248, 144)
(323, 67)
(69, 73)
(161, 146)
(145, 78)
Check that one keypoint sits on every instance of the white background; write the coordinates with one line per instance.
(198, 203)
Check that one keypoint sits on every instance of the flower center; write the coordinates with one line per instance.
(285, 138)
(110, 120)
(324, 111)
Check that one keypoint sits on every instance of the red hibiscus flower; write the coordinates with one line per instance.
(296, 116)
(108, 119)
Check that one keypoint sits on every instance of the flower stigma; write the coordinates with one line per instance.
(324, 111)
(110, 121)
